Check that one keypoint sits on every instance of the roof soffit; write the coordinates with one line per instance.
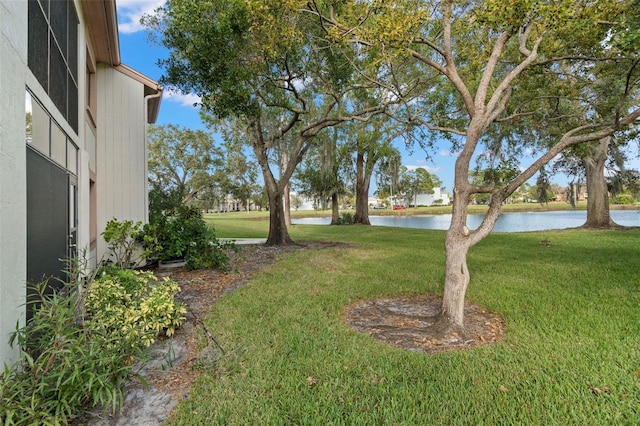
(101, 26)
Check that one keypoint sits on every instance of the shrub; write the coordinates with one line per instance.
(121, 238)
(135, 305)
(623, 199)
(65, 367)
(75, 358)
(346, 218)
(182, 233)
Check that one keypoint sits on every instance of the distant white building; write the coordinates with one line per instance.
(438, 198)
(375, 201)
(301, 202)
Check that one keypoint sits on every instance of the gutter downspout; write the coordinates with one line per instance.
(146, 152)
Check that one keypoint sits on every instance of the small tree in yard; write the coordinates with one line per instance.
(489, 67)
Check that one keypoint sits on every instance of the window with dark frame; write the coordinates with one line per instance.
(44, 135)
(53, 53)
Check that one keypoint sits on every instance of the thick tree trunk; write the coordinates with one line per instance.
(456, 280)
(335, 209)
(598, 215)
(362, 193)
(278, 233)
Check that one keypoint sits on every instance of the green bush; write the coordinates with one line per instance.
(346, 218)
(182, 233)
(65, 367)
(135, 305)
(623, 199)
(121, 239)
(77, 355)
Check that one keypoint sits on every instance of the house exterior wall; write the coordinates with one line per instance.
(110, 163)
(121, 157)
(13, 202)
(428, 199)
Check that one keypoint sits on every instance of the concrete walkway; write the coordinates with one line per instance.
(242, 241)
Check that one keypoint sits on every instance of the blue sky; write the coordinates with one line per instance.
(139, 53)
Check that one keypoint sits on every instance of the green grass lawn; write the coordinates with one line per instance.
(571, 311)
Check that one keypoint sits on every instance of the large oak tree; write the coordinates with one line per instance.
(263, 66)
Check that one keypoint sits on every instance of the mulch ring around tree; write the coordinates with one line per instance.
(407, 323)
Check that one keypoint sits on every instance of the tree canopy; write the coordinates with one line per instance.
(182, 161)
(494, 79)
(265, 67)
(487, 72)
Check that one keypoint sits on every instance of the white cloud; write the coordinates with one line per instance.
(130, 12)
(183, 99)
(429, 169)
(445, 153)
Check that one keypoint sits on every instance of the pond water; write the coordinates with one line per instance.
(507, 222)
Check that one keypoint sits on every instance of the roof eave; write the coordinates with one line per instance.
(152, 89)
(101, 23)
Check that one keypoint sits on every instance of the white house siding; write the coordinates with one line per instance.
(121, 165)
(428, 199)
(13, 198)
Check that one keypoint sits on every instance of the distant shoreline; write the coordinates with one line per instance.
(472, 209)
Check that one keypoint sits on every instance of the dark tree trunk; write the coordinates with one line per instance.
(598, 215)
(335, 209)
(287, 205)
(362, 192)
(278, 233)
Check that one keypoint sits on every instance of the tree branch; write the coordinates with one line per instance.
(487, 75)
(451, 71)
(496, 102)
